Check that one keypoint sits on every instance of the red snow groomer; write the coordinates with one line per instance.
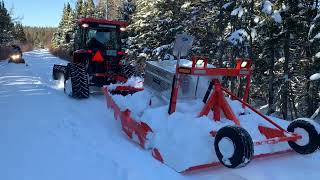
(189, 121)
(96, 57)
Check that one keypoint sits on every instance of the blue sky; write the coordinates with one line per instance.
(38, 12)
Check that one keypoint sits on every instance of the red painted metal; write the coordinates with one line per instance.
(217, 102)
(129, 125)
(128, 88)
(98, 57)
(156, 154)
(102, 21)
(119, 78)
(254, 110)
(277, 140)
(121, 53)
(270, 132)
(218, 164)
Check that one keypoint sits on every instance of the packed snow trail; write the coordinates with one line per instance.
(46, 135)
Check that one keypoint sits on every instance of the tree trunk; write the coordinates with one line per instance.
(286, 69)
(271, 81)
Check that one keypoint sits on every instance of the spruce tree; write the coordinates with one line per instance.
(128, 8)
(101, 9)
(90, 9)
(78, 9)
(6, 25)
(84, 10)
(19, 33)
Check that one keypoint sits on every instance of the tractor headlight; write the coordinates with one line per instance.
(16, 56)
(85, 25)
(200, 62)
(244, 64)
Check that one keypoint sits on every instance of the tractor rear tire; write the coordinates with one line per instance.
(233, 146)
(77, 83)
(309, 142)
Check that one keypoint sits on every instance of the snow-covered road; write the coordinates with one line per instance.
(45, 135)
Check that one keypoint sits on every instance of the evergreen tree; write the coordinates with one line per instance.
(128, 8)
(6, 25)
(84, 9)
(90, 9)
(78, 9)
(19, 33)
(101, 9)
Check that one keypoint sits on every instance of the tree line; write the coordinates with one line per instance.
(281, 37)
(39, 37)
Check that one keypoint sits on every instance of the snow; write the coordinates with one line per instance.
(237, 12)
(315, 77)
(134, 81)
(238, 36)
(225, 6)
(46, 135)
(158, 50)
(226, 147)
(267, 7)
(317, 36)
(276, 16)
(186, 5)
(305, 136)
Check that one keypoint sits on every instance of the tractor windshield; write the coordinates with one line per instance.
(103, 39)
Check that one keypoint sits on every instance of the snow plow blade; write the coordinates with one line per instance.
(189, 121)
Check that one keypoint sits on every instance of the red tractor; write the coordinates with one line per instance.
(96, 59)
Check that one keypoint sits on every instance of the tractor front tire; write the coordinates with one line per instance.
(233, 146)
(309, 142)
(77, 84)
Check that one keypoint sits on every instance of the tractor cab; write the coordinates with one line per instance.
(103, 35)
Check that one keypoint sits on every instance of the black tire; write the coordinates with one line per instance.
(313, 143)
(79, 81)
(242, 144)
(319, 141)
(58, 71)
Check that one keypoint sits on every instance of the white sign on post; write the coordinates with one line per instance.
(182, 45)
